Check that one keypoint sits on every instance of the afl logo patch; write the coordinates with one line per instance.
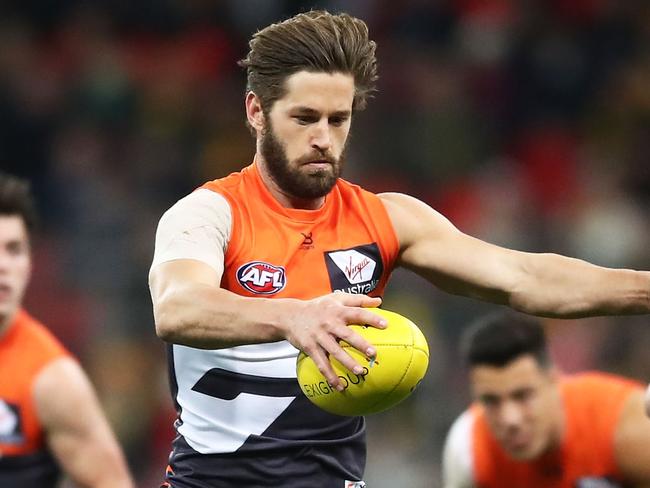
(261, 278)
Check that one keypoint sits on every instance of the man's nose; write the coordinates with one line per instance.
(510, 414)
(321, 137)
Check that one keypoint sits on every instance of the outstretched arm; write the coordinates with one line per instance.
(540, 284)
(77, 432)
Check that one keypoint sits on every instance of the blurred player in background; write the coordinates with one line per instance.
(532, 426)
(50, 419)
(285, 254)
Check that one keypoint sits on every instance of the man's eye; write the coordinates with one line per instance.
(16, 249)
(489, 401)
(523, 395)
(337, 121)
(304, 119)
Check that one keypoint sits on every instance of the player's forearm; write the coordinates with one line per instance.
(207, 317)
(93, 469)
(85, 447)
(558, 286)
(110, 476)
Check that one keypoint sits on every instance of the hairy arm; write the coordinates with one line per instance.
(77, 431)
(191, 309)
(541, 284)
(632, 442)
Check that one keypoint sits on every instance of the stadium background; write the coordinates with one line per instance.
(524, 122)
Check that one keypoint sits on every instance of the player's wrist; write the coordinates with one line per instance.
(279, 316)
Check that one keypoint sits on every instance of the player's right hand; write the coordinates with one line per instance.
(320, 323)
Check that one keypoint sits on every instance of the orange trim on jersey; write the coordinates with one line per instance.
(592, 403)
(295, 239)
(25, 349)
(168, 471)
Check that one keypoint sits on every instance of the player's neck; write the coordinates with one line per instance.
(6, 320)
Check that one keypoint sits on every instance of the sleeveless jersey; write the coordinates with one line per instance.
(592, 404)
(26, 348)
(244, 403)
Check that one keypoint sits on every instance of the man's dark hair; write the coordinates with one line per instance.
(16, 199)
(315, 41)
(501, 337)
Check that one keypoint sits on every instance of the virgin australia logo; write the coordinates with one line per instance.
(355, 270)
(356, 267)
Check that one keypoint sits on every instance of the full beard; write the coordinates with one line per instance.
(295, 180)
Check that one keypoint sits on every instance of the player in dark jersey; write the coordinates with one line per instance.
(238, 288)
(50, 419)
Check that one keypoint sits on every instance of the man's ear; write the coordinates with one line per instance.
(254, 112)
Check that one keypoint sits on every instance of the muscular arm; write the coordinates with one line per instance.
(540, 284)
(191, 309)
(76, 430)
(632, 443)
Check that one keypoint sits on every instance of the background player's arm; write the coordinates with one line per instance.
(77, 432)
(632, 442)
(539, 284)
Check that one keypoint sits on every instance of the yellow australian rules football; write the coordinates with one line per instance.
(387, 379)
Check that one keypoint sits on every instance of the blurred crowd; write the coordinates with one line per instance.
(524, 122)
